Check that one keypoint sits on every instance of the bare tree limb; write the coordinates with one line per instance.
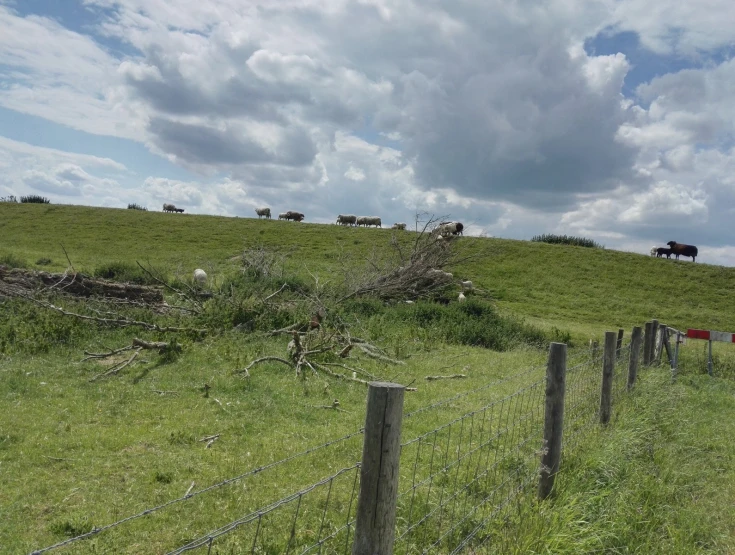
(117, 367)
(246, 370)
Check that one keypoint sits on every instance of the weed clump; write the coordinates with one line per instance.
(566, 240)
(134, 206)
(35, 199)
(12, 261)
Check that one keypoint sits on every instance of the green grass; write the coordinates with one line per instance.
(659, 480)
(76, 454)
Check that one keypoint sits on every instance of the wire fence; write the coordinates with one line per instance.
(461, 472)
(455, 479)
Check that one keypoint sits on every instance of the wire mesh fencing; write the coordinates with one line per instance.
(465, 461)
(457, 476)
(245, 514)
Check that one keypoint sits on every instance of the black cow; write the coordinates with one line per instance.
(680, 249)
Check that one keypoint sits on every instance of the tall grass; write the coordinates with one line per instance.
(34, 199)
(566, 240)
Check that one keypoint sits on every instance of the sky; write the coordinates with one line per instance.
(608, 119)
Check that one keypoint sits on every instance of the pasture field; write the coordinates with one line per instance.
(77, 454)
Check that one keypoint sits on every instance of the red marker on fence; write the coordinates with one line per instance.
(711, 336)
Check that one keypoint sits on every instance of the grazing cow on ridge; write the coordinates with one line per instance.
(680, 249)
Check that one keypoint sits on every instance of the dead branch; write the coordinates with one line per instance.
(117, 367)
(191, 487)
(452, 377)
(333, 406)
(120, 322)
(351, 369)
(191, 297)
(20, 282)
(365, 348)
(269, 297)
(287, 329)
(344, 353)
(246, 370)
(160, 345)
(137, 345)
(340, 376)
(210, 440)
(67, 258)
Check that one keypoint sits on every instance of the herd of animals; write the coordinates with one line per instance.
(677, 249)
(444, 229)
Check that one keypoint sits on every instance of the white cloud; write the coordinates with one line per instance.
(494, 112)
(52, 72)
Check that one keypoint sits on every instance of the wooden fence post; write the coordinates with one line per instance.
(607, 376)
(381, 450)
(556, 370)
(595, 348)
(647, 344)
(654, 340)
(666, 344)
(619, 344)
(635, 351)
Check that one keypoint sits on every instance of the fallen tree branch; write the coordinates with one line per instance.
(21, 282)
(117, 367)
(365, 348)
(340, 376)
(269, 297)
(246, 370)
(333, 406)
(351, 369)
(452, 377)
(121, 322)
(190, 297)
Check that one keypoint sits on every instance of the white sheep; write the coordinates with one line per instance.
(369, 220)
(461, 298)
(400, 225)
(346, 219)
(265, 211)
(283, 216)
(449, 228)
(467, 285)
(200, 276)
(654, 251)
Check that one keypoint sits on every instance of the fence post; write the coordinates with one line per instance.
(607, 376)
(654, 338)
(647, 344)
(619, 344)
(595, 349)
(675, 365)
(556, 370)
(666, 344)
(381, 450)
(635, 352)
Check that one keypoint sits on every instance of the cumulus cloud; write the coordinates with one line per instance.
(64, 76)
(491, 112)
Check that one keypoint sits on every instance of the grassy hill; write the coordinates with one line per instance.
(580, 288)
(76, 453)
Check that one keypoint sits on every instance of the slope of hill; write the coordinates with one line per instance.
(574, 287)
(78, 452)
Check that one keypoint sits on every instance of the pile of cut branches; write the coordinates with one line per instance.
(409, 271)
(320, 351)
